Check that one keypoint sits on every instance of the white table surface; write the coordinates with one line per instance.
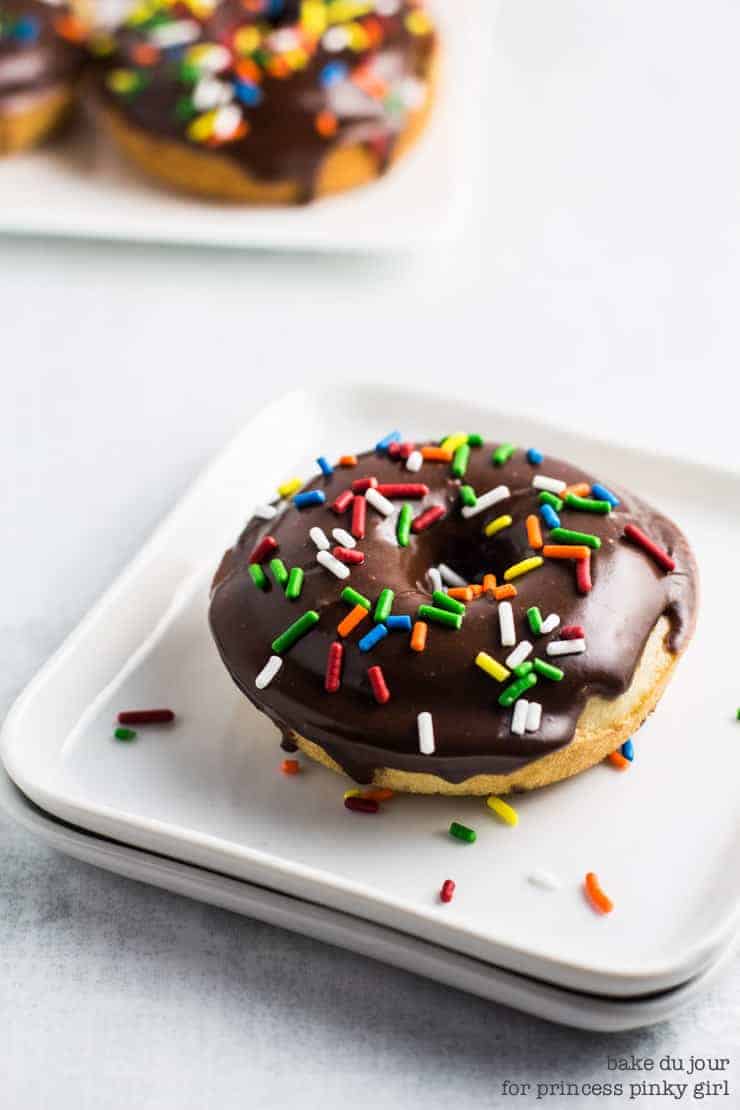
(600, 287)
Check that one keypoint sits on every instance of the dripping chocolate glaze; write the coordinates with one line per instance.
(37, 65)
(472, 732)
(282, 143)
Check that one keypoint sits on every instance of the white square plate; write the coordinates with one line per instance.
(80, 186)
(664, 837)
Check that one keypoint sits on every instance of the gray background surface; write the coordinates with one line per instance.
(598, 287)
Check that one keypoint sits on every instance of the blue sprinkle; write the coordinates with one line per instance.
(333, 73)
(399, 623)
(310, 497)
(550, 517)
(628, 750)
(249, 93)
(374, 636)
(25, 29)
(534, 456)
(384, 444)
(325, 466)
(604, 494)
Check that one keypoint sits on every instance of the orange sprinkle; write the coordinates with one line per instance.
(326, 124)
(278, 67)
(580, 489)
(377, 794)
(419, 636)
(534, 532)
(565, 551)
(248, 70)
(290, 766)
(502, 592)
(596, 895)
(436, 454)
(489, 583)
(70, 28)
(476, 590)
(347, 460)
(461, 593)
(351, 621)
(144, 54)
(618, 761)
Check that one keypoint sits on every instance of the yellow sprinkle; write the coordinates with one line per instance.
(289, 488)
(491, 666)
(506, 812)
(497, 525)
(247, 39)
(314, 17)
(357, 36)
(418, 23)
(351, 793)
(201, 128)
(453, 442)
(342, 10)
(122, 81)
(523, 567)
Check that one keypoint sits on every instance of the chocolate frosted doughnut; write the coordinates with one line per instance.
(41, 56)
(570, 605)
(268, 101)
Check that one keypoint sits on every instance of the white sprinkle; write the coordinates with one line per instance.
(506, 624)
(211, 93)
(413, 93)
(226, 121)
(566, 647)
(426, 733)
(268, 672)
(320, 538)
(519, 654)
(550, 623)
(387, 7)
(500, 493)
(335, 39)
(449, 576)
(543, 880)
(381, 504)
(435, 579)
(534, 716)
(343, 538)
(177, 33)
(552, 485)
(265, 512)
(519, 717)
(327, 560)
(414, 461)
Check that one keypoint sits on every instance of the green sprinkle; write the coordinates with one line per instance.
(295, 584)
(516, 689)
(566, 535)
(547, 498)
(534, 616)
(460, 461)
(384, 606)
(475, 441)
(124, 734)
(468, 496)
(295, 631)
(503, 453)
(523, 669)
(353, 598)
(451, 604)
(738, 714)
(441, 616)
(403, 527)
(258, 576)
(462, 832)
(279, 571)
(547, 670)
(185, 109)
(587, 504)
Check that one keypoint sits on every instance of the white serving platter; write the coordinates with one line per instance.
(664, 837)
(583, 1011)
(78, 185)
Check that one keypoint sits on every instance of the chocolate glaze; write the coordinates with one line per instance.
(473, 733)
(282, 142)
(41, 62)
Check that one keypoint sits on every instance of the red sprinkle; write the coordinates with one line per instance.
(427, 519)
(573, 632)
(264, 550)
(583, 575)
(358, 804)
(394, 450)
(333, 679)
(343, 501)
(145, 717)
(381, 693)
(349, 555)
(448, 889)
(359, 508)
(290, 767)
(412, 490)
(361, 484)
(405, 449)
(661, 557)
